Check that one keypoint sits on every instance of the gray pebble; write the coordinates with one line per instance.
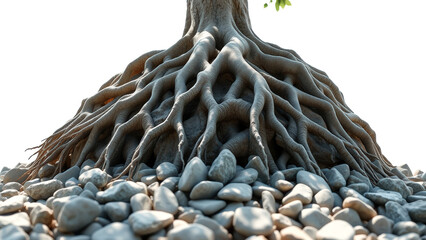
(335, 179)
(237, 192)
(207, 207)
(337, 229)
(315, 182)
(300, 192)
(170, 183)
(247, 176)
(195, 171)
(43, 190)
(259, 187)
(380, 224)
(382, 197)
(344, 170)
(223, 168)
(193, 231)
(115, 230)
(121, 192)
(349, 215)
(405, 227)
(165, 200)
(140, 201)
(252, 221)
(359, 187)
(396, 185)
(11, 232)
(20, 219)
(165, 170)
(149, 221)
(68, 191)
(73, 171)
(205, 190)
(117, 211)
(96, 176)
(77, 213)
(313, 217)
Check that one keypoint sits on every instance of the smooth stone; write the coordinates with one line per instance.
(223, 168)
(278, 175)
(41, 214)
(417, 211)
(413, 198)
(290, 174)
(417, 187)
(140, 201)
(40, 236)
(43, 190)
(315, 182)
(396, 185)
(365, 211)
(380, 224)
(73, 171)
(294, 233)
(170, 183)
(256, 163)
(46, 171)
(150, 179)
(165, 200)
(335, 179)
(193, 231)
(182, 198)
(349, 215)
(344, 170)
(91, 228)
(237, 192)
(336, 229)
(145, 222)
(87, 194)
(247, 176)
(77, 213)
(283, 185)
(382, 197)
(68, 191)
(9, 193)
(220, 233)
(16, 175)
(252, 221)
(20, 219)
(396, 212)
(121, 192)
(338, 201)
(359, 187)
(225, 216)
(268, 202)
(116, 230)
(71, 182)
(299, 192)
(280, 221)
(12, 204)
(405, 227)
(195, 171)
(12, 185)
(165, 170)
(357, 177)
(291, 209)
(91, 187)
(207, 207)
(153, 187)
(311, 231)
(313, 217)
(58, 203)
(346, 192)
(361, 230)
(259, 187)
(205, 190)
(189, 214)
(96, 176)
(324, 198)
(117, 211)
(12, 232)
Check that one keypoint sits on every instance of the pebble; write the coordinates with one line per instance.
(165, 200)
(300, 192)
(344, 170)
(257, 163)
(252, 221)
(259, 187)
(365, 211)
(140, 201)
(195, 171)
(283, 185)
(347, 192)
(291, 209)
(247, 176)
(278, 175)
(315, 182)
(205, 190)
(290, 174)
(382, 197)
(396, 185)
(357, 177)
(71, 182)
(20, 219)
(396, 212)
(150, 179)
(280, 221)
(120, 192)
(68, 191)
(380, 224)
(294, 233)
(220, 233)
(116, 230)
(40, 236)
(336, 229)
(12, 185)
(12, 204)
(223, 168)
(12, 232)
(58, 203)
(145, 222)
(170, 183)
(338, 201)
(191, 232)
(417, 211)
(73, 171)
(335, 179)
(9, 193)
(311, 231)
(96, 176)
(359, 187)
(349, 215)
(225, 216)
(41, 214)
(237, 192)
(324, 198)
(165, 170)
(189, 215)
(46, 171)
(207, 207)
(268, 202)
(77, 213)
(93, 227)
(182, 198)
(16, 175)
(361, 230)
(405, 227)
(43, 190)
(117, 211)
(413, 198)
(313, 217)
(417, 187)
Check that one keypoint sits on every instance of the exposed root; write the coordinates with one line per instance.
(218, 87)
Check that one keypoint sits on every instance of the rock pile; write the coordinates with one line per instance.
(221, 201)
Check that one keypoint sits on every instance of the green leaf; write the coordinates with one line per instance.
(277, 5)
(265, 5)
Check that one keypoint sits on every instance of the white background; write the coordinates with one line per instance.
(55, 53)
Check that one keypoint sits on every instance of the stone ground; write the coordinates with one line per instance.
(221, 201)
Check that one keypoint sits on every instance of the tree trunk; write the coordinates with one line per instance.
(219, 87)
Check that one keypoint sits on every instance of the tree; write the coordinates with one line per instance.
(218, 87)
